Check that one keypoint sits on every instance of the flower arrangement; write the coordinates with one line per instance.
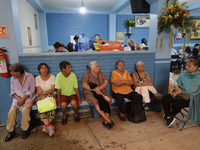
(130, 22)
(176, 17)
(138, 47)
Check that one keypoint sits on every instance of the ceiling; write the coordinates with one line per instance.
(90, 4)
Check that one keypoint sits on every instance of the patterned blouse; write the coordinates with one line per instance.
(139, 79)
(99, 80)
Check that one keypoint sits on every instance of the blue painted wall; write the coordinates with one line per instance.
(106, 61)
(138, 33)
(61, 25)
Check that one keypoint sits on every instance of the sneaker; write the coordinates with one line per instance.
(170, 121)
(50, 130)
(164, 117)
(45, 129)
(122, 118)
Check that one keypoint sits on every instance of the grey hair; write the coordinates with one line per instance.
(139, 63)
(91, 65)
(16, 67)
(129, 41)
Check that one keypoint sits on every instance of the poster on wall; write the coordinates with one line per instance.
(29, 36)
(3, 31)
(195, 32)
(120, 37)
(142, 21)
(35, 21)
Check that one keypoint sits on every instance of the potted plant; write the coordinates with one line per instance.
(130, 23)
(175, 16)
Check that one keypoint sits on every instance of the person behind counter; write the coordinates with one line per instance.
(95, 43)
(76, 37)
(144, 44)
(59, 47)
(131, 44)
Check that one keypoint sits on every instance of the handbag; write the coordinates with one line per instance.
(106, 98)
(46, 104)
(137, 113)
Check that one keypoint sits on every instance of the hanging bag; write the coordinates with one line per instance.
(46, 104)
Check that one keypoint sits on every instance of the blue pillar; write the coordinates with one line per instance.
(112, 27)
(43, 32)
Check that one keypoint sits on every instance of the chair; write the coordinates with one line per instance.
(184, 122)
(174, 63)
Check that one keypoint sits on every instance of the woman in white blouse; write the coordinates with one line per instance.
(45, 84)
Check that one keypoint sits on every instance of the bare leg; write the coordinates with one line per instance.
(63, 107)
(102, 113)
(74, 105)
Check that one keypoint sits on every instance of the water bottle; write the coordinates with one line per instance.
(83, 43)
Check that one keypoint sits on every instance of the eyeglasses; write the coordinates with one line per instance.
(189, 66)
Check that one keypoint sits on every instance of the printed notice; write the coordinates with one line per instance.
(3, 68)
(3, 31)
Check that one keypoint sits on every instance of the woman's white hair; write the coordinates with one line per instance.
(139, 63)
(91, 65)
(129, 41)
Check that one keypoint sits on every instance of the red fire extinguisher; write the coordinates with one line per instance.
(4, 70)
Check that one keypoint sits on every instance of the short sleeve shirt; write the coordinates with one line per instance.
(45, 85)
(67, 85)
(124, 89)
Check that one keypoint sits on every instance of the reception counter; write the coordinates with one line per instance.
(79, 60)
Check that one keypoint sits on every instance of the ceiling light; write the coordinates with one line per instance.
(82, 8)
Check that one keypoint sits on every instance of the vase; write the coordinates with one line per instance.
(129, 29)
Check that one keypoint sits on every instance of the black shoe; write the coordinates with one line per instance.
(25, 134)
(9, 136)
(77, 119)
(111, 124)
(106, 125)
(170, 121)
(122, 118)
(164, 117)
(64, 121)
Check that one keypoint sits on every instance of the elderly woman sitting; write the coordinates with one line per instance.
(94, 84)
(187, 84)
(121, 82)
(143, 81)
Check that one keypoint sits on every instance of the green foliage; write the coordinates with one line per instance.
(130, 22)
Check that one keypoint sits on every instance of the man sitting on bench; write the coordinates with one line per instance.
(67, 91)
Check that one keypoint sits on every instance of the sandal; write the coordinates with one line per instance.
(77, 119)
(64, 121)
(106, 125)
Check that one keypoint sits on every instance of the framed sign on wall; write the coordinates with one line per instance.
(3, 31)
(195, 32)
(142, 21)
